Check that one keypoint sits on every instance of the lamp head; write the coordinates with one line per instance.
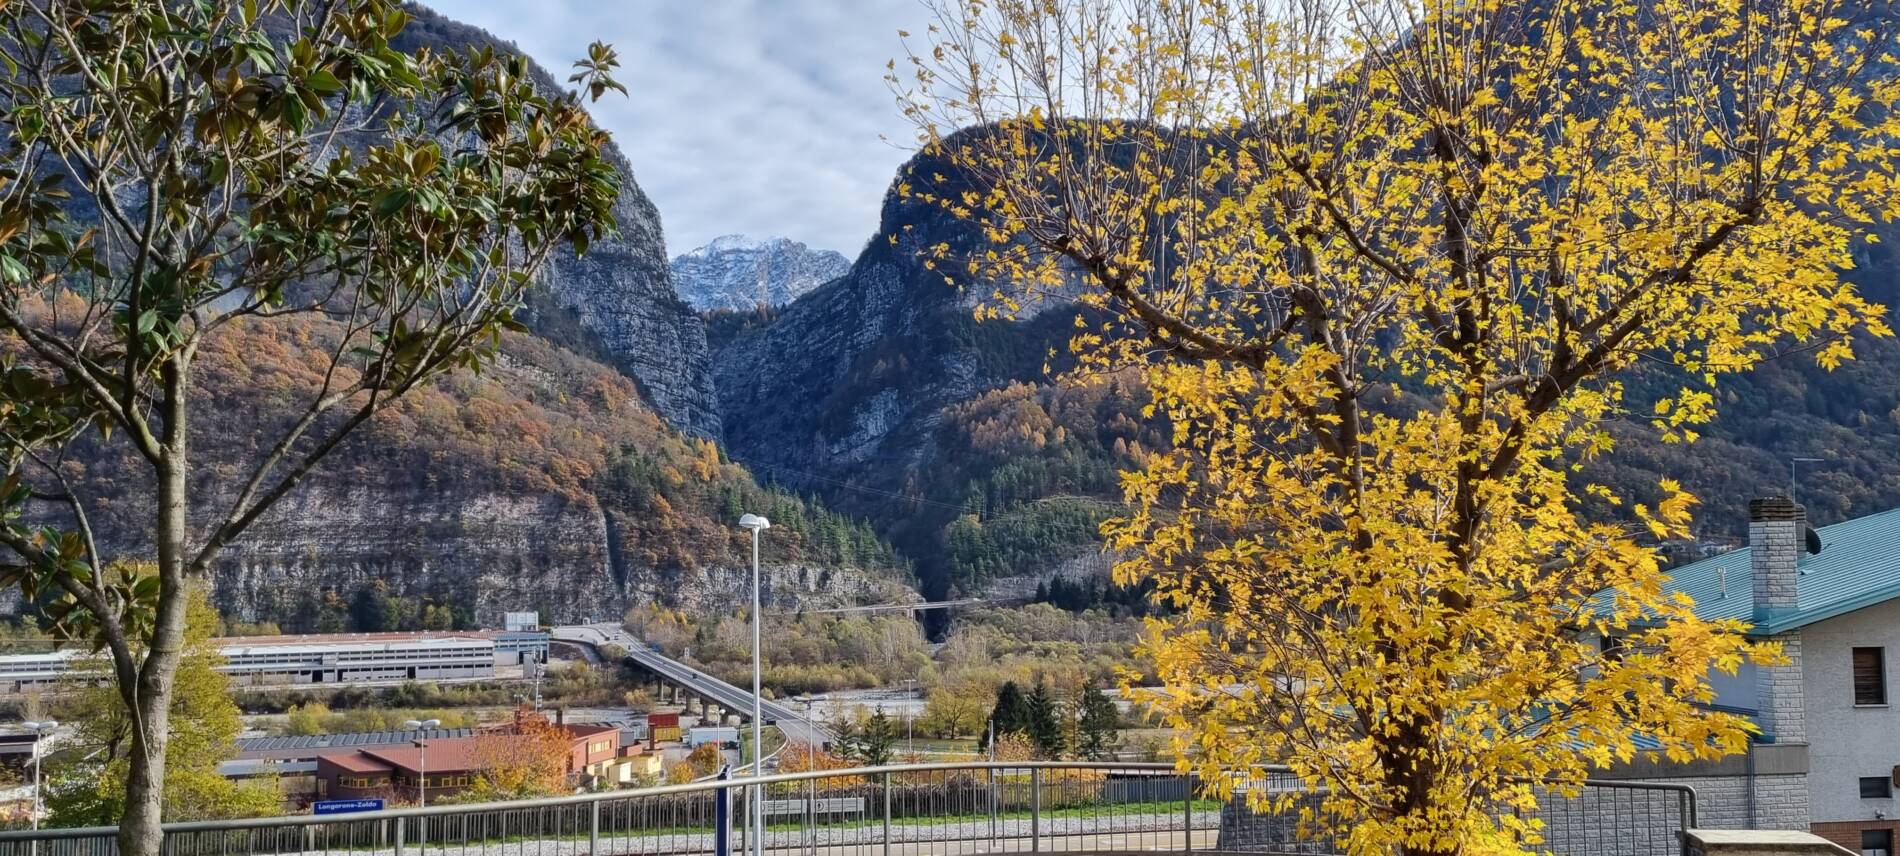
(421, 724)
(754, 522)
(40, 727)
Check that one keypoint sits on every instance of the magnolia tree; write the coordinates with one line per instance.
(1385, 266)
(174, 170)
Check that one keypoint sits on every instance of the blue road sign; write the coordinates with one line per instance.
(345, 806)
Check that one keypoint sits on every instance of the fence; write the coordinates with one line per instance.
(912, 810)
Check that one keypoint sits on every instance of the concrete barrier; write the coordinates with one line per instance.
(1758, 842)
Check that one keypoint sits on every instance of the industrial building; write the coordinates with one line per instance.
(327, 658)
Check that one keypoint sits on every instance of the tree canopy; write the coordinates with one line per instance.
(1385, 268)
(89, 789)
(171, 171)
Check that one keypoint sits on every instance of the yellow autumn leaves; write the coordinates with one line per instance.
(1386, 267)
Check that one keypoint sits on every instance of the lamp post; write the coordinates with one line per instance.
(40, 729)
(422, 780)
(422, 783)
(910, 718)
(757, 524)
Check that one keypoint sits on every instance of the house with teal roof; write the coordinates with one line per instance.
(1828, 757)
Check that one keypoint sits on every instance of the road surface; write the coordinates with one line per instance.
(790, 721)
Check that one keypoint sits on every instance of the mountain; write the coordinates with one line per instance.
(736, 272)
(578, 476)
(881, 392)
(885, 397)
(617, 302)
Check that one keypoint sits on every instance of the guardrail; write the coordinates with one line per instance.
(910, 810)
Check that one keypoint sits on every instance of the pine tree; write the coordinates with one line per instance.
(1045, 730)
(1097, 721)
(1011, 714)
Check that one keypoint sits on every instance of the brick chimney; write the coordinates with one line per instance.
(1776, 527)
(1776, 531)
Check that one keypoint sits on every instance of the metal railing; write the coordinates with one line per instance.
(912, 810)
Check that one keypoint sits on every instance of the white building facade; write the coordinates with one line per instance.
(1828, 756)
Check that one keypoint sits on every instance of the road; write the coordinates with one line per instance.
(789, 720)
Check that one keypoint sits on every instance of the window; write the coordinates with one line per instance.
(1876, 842)
(1870, 676)
(1611, 647)
(1875, 788)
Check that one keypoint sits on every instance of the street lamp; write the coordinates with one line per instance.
(422, 762)
(757, 524)
(910, 717)
(40, 730)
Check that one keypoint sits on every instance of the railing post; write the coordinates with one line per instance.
(399, 831)
(1187, 812)
(887, 814)
(1035, 809)
(722, 816)
(593, 828)
(992, 778)
(811, 813)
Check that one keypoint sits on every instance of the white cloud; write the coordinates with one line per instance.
(747, 116)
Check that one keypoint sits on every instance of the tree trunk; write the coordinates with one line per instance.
(140, 830)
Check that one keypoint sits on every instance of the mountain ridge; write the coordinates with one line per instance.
(883, 385)
(740, 272)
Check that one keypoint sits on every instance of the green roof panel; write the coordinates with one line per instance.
(1858, 566)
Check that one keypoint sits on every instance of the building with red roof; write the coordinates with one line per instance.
(594, 754)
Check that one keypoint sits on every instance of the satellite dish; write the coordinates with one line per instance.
(1814, 540)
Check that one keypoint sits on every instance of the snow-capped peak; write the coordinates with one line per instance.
(741, 272)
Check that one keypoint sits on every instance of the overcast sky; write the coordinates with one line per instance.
(752, 116)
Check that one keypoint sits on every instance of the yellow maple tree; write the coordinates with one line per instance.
(527, 758)
(1385, 267)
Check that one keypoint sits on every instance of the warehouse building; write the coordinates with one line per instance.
(327, 658)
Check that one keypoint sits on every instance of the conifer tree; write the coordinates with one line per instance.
(1097, 721)
(1045, 724)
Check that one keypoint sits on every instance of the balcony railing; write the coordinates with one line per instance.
(912, 810)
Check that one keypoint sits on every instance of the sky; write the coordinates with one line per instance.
(760, 117)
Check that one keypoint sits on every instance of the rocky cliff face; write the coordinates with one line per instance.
(864, 377)
(620, 295)
(544, 483)
(486, 554)
(861, 368)
(736, 272)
